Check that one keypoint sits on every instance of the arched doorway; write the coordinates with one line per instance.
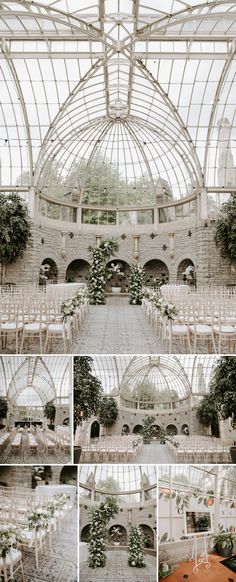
(85, 533)
(137, 429)
(182, 268)
(68, 475)
(119, 280)
(155, 272)
(77, 271)
(118, 535)
(148, 534)
(48, 272)
(95, 430)
(171, 430)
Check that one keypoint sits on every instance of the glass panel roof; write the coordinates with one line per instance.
(125, 478)
(22, 378)
(172, 377)
(145, 88)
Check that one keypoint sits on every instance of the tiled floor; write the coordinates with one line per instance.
(117, 327)
(117, 569)
(216, 573)
(57, 565)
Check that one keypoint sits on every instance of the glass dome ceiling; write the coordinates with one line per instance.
(118, 478)
(155, 378)
(35, 380)
(145, 90)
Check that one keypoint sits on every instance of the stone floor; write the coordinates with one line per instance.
(27, 457)
(155, 454)
(117, 569)
(57, 565)
(117, 328)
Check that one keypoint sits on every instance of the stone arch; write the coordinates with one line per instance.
(51, 274)
(155, 270)
(85, 533)
(66, 421)
(148, 534)
(77, 271)
(68, 475)
(171, 430)
(156, 430)
(123, 282)
(182, 267)
(137, 429)
(95, 429)
(118, 539)
(125, 429)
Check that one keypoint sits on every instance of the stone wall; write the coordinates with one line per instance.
(138, 514)
(177, 418)
(171, 246)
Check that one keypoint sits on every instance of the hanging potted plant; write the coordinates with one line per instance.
(115, 274)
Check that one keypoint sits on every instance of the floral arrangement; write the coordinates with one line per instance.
(98, 275)
(8, 540)
(165, 570)
(61, 498)
(39, 518)
(189, 273)
(115, 272)
(98, 532)
(69, 306)
(44, 269)
(115, 533)
(166, 309)
(136, 547)
(136, 284)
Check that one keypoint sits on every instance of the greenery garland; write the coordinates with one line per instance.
(136, 547)
(98, 274)
(225, 235)
(136, 283)
(98, 531)
(87, 390)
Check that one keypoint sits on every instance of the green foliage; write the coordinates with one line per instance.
(224, 540)
(108, 485)
(87, 390)
(222, 386)
(136, 547)
(101, 515)
(136, 283)
(49, 411)
(108, 412)
(225, 235)
(14, 228)
(98, 274)
(207, 411)
(3, 407)
(147, 430)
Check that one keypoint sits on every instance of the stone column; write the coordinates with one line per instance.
(136, 246)
(203, 208)
(32, 202)
(172, 244)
